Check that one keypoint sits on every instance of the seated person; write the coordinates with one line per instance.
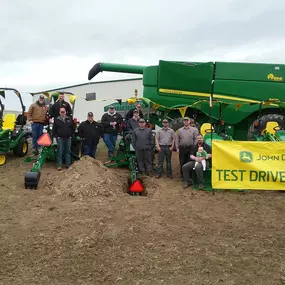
(187, 168)
(203, 154)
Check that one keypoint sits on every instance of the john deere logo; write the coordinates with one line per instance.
(245, 156)
(271, 76)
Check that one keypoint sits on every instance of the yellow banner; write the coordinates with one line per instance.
(248, 165)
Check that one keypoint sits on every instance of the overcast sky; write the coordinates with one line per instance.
(50, 44)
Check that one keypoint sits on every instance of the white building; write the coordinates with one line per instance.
(102, 90)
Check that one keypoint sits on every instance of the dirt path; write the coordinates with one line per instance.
(170, 237)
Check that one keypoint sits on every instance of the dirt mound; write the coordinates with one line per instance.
(89, 178)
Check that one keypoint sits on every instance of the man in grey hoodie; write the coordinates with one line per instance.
(143, 143)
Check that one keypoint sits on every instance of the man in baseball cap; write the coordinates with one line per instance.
(130, 114)
(165, 139)
(186, 139)
(90, 131)
(111, 121)
(37, 116)
(143, 143)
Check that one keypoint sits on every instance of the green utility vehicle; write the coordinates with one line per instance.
(236, 92)
(13, 134)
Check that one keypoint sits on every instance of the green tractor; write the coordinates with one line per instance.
(236, 91)
(13, 134)
(48, 151)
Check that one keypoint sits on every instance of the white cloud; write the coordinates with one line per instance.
(49, 44)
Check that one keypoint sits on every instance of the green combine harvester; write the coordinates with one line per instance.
(49, 145)
(236, 90)
(228, 101)
(13, 134)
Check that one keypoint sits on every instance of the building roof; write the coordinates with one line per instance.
(88, 83)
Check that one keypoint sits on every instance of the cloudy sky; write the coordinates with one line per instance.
(49, 44)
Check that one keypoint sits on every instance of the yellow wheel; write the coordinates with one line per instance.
(25, 147)
(22, 148)
(3, 159)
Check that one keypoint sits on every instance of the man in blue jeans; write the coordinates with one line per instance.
(63, 128)
(37, 116)
(111, 123)
(90, 131)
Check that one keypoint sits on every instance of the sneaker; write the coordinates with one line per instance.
(66, 166)
(201, 186)
(59, 168)
(170, 176)
(185, 185)
(158, 176)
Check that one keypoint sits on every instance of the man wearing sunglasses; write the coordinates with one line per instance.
(62, 130)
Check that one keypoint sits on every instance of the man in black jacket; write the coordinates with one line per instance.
(63, 128)
(91, 132)
(59, 104)
(130, 113)
(111, 124)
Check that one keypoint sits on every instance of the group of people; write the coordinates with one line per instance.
(194, 153)
(63, 126)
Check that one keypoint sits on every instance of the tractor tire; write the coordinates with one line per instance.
(22, 148)
(280, 119)
(3, 158)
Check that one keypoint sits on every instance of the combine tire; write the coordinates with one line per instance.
(22, 148)
(3, 158)
(280, 119)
